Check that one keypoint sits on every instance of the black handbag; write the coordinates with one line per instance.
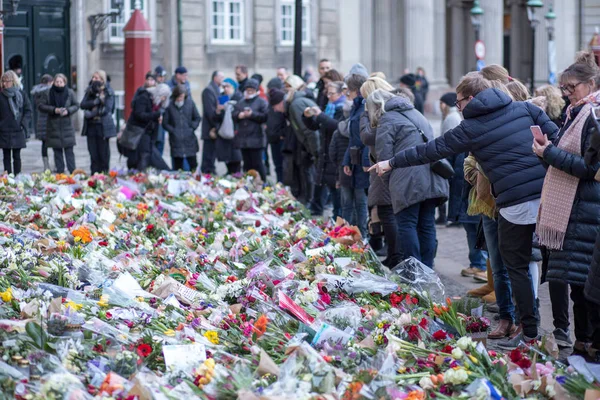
(131, 136)
(441, 167)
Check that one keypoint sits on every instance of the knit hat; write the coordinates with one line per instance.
(295, 82)
(449, 99)
(257, 77)
(181, 70)
(276, 96)
(275, 83)
(408, 79)
(251, 84)
(231, 82)
(359, 69)
(160, 71)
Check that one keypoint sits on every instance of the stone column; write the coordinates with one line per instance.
(382, 37)
(566, 33)
(492, 31)
(419, 40)
(79, 55)
(541, 47)
(438, 76)
(520, 42)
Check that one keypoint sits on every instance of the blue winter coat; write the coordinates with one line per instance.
(496, 130)
(360, 178)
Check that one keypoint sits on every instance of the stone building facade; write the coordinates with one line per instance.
(385, 35)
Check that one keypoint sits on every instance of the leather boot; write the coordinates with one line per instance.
(505, 328)
(488, 287)
(489, 298)
(46, 164)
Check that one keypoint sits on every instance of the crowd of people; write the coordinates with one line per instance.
(517, 171)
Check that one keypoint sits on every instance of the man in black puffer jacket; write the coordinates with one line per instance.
(497, 131)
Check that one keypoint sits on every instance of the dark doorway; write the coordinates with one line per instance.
(39, 33)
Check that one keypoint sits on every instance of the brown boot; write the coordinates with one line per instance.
(488, 287)
(489, 298)
(505, 328)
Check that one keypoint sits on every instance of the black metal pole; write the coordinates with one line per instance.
(298, 39)
(532, 57)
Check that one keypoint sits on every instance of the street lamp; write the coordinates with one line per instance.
(531, 6)
(12, 10)
(476, 16)
(99, 22)
(550, 18)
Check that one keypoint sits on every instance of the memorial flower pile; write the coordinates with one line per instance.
(171, 286)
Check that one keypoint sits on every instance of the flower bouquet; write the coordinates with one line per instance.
(477, 328)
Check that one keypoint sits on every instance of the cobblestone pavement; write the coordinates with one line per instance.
(452, 251)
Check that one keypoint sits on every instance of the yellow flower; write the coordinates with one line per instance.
(473, 359)
(73, 305)
(246, 249)
(251, 229)
(103, 302)
(139, 299)
(169, 332)
(212, 336)
(6, 295)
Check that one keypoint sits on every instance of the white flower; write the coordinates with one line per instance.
(550, 391)
(426, 383)
(457, 354)
(456, 376)
(465, 343)
(405, 319)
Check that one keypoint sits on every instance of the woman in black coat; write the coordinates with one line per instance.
(571, 244)
(15, 112)
(250, 113)
(60, 105)
(98, 104)
(226, 149)
(181, 119)
(39, 94)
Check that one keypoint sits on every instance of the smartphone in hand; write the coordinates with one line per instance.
(537, 133)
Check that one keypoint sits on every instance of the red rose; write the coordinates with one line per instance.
(279, 211)
(440, 335)
(149, 228)
(257, 223)
(447, 349)
(415, 300)
(524, 363)
(423, 323)
(396, 299)
(103, 243)
(413, 332)
(515, 356)
(92, 183)
(144, 350)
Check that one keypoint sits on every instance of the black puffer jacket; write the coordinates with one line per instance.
(496, 130)
(379, 192)
(60, 133)
(327, 171)
(337, 150)
(13, 133)
(181, 123)
(99, 111)
(571, 264)
(250, 134)
(592, 284)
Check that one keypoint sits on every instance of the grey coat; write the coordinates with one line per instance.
(309, 138)
(181, 123)
(39, 92)
(379, 192)
(250, 134)
(395, 132)
(60, 133)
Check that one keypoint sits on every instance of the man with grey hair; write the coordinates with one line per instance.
(210, 102)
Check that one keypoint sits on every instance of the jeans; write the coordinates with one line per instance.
(502, 286)
(477, 257)
(390, 232)
(515, 244)
(15, 168)
(277, 159)
(98, 148)
(209, 155)
(59, 161)
(233, 167)
(178, 163)
(44, 149)
(416, 229)
(306, 176)
(253, 159)
(355, 200)
(337, 202)
(185, 166)
(160, 140)
(319, 200)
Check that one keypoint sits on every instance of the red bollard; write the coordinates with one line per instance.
(137, 55)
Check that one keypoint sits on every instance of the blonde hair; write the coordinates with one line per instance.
(518, 91)
(158, 92)
(554, 100)
(372, 84)
(102, 74)
(61, 76)
(13, 77)
(495, 72)
(376, 105)
(378, 74)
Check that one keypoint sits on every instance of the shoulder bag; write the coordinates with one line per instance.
(441, 167)
(131, 136)
(226, 130)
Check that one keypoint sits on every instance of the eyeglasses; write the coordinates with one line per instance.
(331, 94)
(569, 89)
(7, 80)
(457, 102)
